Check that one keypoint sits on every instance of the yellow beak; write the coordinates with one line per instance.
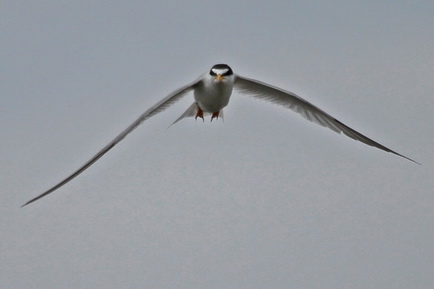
(219, 77)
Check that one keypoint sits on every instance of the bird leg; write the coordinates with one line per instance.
(215, 115)
(199, 114)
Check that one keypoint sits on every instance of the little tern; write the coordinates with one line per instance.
(212, 92)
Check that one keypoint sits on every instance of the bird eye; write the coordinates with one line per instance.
(228, 72)
(211, 72)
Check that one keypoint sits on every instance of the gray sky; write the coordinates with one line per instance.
(264, 199)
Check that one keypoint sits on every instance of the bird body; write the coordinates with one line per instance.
(212, 92)
(213, 95)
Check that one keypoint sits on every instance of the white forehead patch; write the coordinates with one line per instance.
(220, 70)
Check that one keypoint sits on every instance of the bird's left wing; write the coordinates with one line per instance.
(157, 108)
(306, 109)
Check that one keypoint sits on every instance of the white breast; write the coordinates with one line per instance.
(213, 96)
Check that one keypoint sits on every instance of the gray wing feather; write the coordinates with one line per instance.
(309, 111)
(155, 109)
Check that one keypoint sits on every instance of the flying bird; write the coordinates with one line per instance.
(212, 92)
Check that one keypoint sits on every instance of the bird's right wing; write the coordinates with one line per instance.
(157, 108)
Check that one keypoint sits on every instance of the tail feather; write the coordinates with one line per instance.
(190, 112)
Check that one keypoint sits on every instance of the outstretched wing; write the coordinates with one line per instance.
(157, 108)
(309, 111)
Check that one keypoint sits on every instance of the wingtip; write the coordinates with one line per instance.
(29, 202)
(32, 200)
(411, 160)
(25, 204)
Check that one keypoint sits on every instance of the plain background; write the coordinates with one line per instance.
(264, 199)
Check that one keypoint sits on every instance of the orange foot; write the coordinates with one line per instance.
(215, 115)
(199, 114)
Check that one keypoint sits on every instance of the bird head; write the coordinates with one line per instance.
(220, 72)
